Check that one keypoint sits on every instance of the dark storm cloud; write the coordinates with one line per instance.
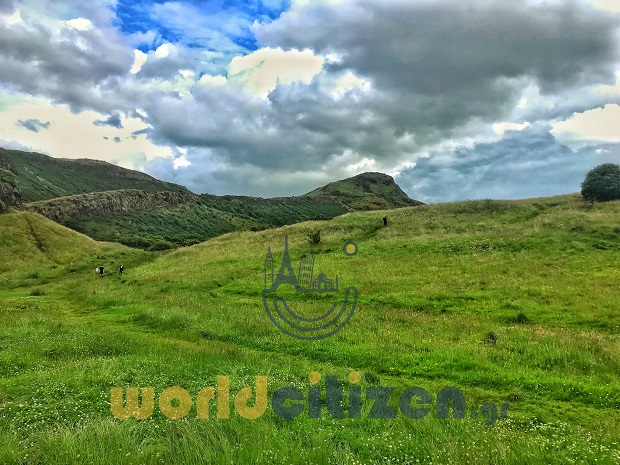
(114, 121)
(300, 127)
(33, 125)
(438, 65)
(446, 47)
(530, 163)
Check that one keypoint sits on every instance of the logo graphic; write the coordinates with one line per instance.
(298, 324)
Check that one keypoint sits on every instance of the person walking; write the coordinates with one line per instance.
(101, 272)
(120, 270)
(385, 221)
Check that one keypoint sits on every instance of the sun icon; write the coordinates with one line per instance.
(349, 249)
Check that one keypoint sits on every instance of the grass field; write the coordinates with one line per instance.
(510, 302)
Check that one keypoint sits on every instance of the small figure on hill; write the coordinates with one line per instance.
(385, 221)
(120, 269)
(101, 272)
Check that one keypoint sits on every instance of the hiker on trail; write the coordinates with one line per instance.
(101, 272)
(120, 270)
(385, 221)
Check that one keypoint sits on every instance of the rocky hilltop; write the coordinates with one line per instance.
(366, 191)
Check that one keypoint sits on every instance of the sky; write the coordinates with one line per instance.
(457, 100)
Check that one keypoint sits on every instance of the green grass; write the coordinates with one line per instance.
(540, 276)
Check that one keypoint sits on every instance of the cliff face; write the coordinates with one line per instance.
(96, 204)
(9, 196)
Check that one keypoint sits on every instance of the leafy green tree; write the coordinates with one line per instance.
(602, 183)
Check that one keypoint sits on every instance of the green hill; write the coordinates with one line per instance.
(110, 203)
(366, 191)
(510, 302)
(41, 177)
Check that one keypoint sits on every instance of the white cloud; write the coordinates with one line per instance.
(261, 71)
(79, 24)
(213, 81)
(12, 19)
(501, 128)
(181, 162)
(139, 59)
(612, 6)
(348, 82)
(164, 50)
(599, 124)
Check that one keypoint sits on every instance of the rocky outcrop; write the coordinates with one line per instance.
(9, 193)
(9, 196)
(99, 203)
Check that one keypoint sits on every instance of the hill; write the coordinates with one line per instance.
(366, 191)
(110, 203)
(510, 302)
(157, 227)
(40, 177)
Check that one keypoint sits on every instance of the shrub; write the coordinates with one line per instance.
(602, 183)
(522, 318)
(8, 177)
(372, 378)
(161, 244)
(490, 338)
(314, 236)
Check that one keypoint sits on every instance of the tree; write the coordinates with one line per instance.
(602, 183)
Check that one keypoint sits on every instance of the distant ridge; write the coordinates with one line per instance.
(110, 203)
(40, 177)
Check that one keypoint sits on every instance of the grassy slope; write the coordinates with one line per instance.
(41, 177)
(433, 287)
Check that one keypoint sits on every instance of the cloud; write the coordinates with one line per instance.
(439, 64)
(33, 125)
(608, 5)
(113, 120)
(529, 163)
(501, 128)
(260, 72)
(597, 125)
(245, 98)
(139, 60)
(69, 61)
(80, 24)
(74, 135)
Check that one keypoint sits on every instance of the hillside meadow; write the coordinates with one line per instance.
(510, 302)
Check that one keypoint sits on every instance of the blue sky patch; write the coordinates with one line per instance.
(194, 23)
